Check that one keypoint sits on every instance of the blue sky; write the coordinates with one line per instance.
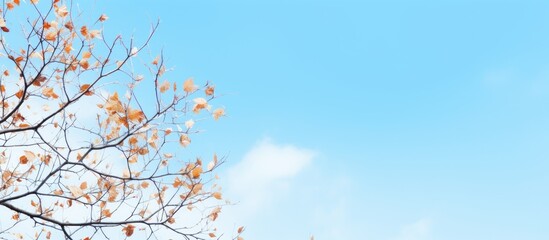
(383, 120)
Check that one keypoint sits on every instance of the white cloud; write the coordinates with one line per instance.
(266, 164)
(261, 181)
(419, 230)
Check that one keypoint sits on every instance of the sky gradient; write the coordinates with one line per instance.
(382, 120)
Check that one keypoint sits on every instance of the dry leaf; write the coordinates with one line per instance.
(103, 17)
(165, 86)
(218, 113)
(128, 229)
(188, 86)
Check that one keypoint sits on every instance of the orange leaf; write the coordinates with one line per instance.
(46, 25)
(136, 115)
(217, 195)
(19, 94)
(51, 36)
(106, 213)
(69, 26)
(38, 80)
(85, 89)
(128, 229)
(10, 6)
(84, 31)
(86, 55)
(210, 90)
(218, 113)
(155, 61)
(48, 92)
(23, 159)
(200, 103)
(177, 182)
(84, 64)
(103, 18)
(195, 173)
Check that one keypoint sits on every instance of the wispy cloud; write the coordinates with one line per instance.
(266, 167)
(261, 181)
(419, 230)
